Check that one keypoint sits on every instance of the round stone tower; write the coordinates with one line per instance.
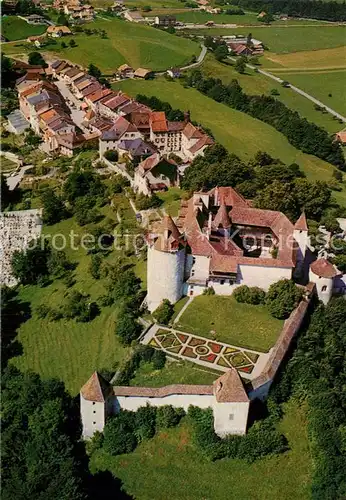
(323, 273)
(166, 264)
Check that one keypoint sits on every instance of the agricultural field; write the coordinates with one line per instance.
(327, 86)
(323, 59)
(170, 466)
(238, 132)
(127, 42)
(286, 39)
(199, 17)
(14, 28)
(255, 83)
(225, 320)
(66, 349)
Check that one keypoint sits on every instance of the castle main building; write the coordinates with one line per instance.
(219, 240)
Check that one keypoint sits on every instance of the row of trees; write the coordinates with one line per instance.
(269, 182)
(317, 373)
(301, 133)
(157, 105)
(315, 9)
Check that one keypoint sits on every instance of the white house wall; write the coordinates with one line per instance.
(93, 417)
(262, 276)
(230, 418)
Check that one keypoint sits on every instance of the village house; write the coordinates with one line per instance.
(341, 137)
(142, 73)
(219, 240)
(58, 31)
(125, 71)
(155, 173)
(134, 149)
(120, 131)
(134, 16)
(174, 72)
(165, 21)
(35, 19)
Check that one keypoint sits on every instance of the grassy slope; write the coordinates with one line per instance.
(237, 131)
(255, 83)
(14, 28)
(65, 349)
(170, 466)
(284, 39)
(174, 372)
(199, 17)
(234, 323)
(135, 44)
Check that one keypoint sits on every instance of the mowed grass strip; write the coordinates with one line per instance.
(170, 466)
(174, 372)
(332, 58)
(226, 320)
(14, 28)
(238, 132)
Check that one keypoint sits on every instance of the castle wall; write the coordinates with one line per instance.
(262, 276)
(165, 274)
(230, 418)
(324, 287)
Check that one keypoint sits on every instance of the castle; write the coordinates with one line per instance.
(219, 240)
(227, 398)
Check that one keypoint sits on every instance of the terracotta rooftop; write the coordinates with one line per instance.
(161, 392)
(158, 122)
(168, 237)
(192, 132)
(96, 389)
(222, 218)
(229, 388)
(301, 224)
(323, 268)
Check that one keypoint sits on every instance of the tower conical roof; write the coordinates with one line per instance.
(229, 388)
(322, 267)
(301, 224)
(96, 388)
(169, 236)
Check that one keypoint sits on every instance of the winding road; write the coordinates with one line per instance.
(295, 89)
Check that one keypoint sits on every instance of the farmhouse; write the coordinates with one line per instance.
(142, 73)
(219, 240)
(155, 173)
(134, 16)
(227, 397)
(165, 21)
(58, 31)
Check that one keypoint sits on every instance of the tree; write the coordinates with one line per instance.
(112, 155)
(118, 433)
(35, 58)
(72, 43)
(58, 263)
(95, 266)
(63, 45)
(168, 416)
(158, 359)
(240, 65)
(62, 19)
(32, 139)
(85, 212)
(83, 183)
(31, 265)
(94, 71)
(127, 327)
(266, 19)
(53, 207)
(79, 307)
(282, 297)
(221, 52)
(145, 423)
(5, 193)
(340, 262)
(164, 312)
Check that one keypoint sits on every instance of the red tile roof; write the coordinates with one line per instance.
(168, 237)
(222, 218)
(96, 389)
(192, 132)
(229, 388)
(323, 268)
(301, 224)
(161, 392)
(158, 122)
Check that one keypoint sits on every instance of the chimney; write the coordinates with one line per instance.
(209, 225)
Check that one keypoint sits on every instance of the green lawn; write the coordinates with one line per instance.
(238, 132)
(66, 349)
(135, 44)
(199, 17)
(255, 83)
(238, 324)
(284, 39)
(7, 165)
(171, 200)
(174, 372)
(14, 28)
(170, 467)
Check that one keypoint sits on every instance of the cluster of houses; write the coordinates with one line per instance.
(160, 148)
(242, 46)
(76, 10)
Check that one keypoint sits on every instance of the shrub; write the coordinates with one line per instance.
(158, 359)
(209, 291)
(249, 295)
(42, 310)
(127, 327)
(168, 416)
(282, 297)
(111, 155)
(164, 312)
(118, 433)
(145, 423)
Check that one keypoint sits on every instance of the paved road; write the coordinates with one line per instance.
(296, 89)
(200, 59)
(77, 114)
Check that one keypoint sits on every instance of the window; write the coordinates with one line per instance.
(94, 403)
(324, 288)
(231, 416)
(94, 411)
(94, 423)
(222, 282)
